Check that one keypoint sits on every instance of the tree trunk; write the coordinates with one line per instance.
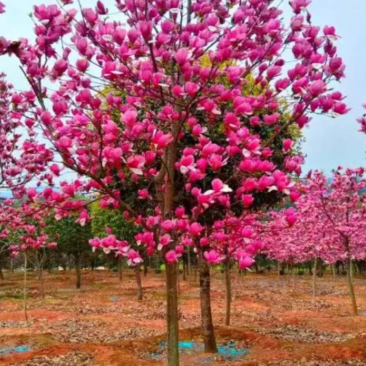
(138, 283)
(189, 262)
(350, 286)
(120, 271)
(78, 271)
(314, 275)
(145, 268)
(228, 293)
(49, 265)
(178, 283)
(166, 198)
(206, 313)
(25, 286)
(41, 279)
(172, 314)
(1, 272)
(184, 270)
(334, 271)
(256, 267)
(92, 264)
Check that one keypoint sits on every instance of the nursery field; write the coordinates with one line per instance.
(275, 321)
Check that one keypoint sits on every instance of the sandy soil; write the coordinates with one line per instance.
(277, 320)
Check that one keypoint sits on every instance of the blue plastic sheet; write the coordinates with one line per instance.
(228, 351)
(4, 351)
(114, 298)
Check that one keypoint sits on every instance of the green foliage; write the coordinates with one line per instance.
(71, 237)
(102, 218)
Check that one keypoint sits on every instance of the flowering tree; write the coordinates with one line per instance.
(22, 230)
(191, 145)
(22, 157)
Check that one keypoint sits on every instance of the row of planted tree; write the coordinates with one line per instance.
(327, 229)
(186, 118)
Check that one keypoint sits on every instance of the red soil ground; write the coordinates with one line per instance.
(278, 320)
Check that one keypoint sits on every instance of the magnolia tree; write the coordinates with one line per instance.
(187, 139)
(22, 233)
(22, 227)
(22, 157)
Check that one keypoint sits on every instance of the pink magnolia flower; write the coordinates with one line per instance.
(168, 225)
(287, 145)
(162, 140)
(134, 258)
(248, 200)
(14, 254)
(32, 193)
(135, 163)
(299, 5)
(143, 194)
(101, 9)
(172, 256)
(195, 229)
(245, 261)
(164, 241)
(52, 245)
(83, 218)
(212, 257)
(181, 56)
(317, 87)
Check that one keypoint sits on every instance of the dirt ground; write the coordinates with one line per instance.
(277, 320)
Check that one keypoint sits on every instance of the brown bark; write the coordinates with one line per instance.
(189, 262)
(172, 314)
(351, 288)
(184, 270)
(166, 199)
(315, 269)
(120, 270)
(78, 271)
(138, 283)
(178, 283)
(206, 313)
(25, 286)
(41, 279)
(228, 293)
(350, 277)
(1, 272)
(334, 271)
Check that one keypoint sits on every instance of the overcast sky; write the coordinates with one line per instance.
(329, 142)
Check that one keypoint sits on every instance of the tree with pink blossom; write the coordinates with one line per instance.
(194, 149)
(329, 223)
(342, 203)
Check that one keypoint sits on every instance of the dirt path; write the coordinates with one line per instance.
(277, 321)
